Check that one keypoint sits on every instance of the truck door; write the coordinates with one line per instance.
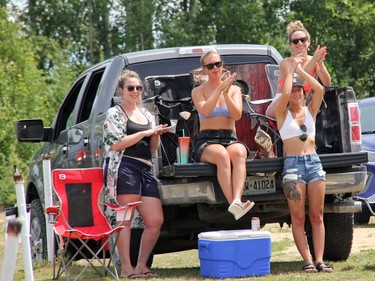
(85, 135)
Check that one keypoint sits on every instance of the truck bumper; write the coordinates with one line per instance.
(205, 192)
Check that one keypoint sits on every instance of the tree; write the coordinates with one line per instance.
(138, 25)
(79, 26)
(22, 83)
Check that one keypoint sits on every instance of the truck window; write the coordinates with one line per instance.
(89, 96)
(66, 113)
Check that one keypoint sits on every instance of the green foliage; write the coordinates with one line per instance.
(26, 90)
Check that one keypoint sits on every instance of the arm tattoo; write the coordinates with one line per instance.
(291, 192)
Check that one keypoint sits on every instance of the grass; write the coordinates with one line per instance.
(285, 264)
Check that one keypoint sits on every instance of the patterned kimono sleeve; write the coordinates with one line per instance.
(114, 129)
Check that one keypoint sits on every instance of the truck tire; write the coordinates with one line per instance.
(363, 217)
(338, 238)
(38, 240)
(135, 240)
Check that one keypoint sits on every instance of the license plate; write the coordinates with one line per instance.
(259, 185)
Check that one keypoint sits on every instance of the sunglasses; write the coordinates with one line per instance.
(211, 65)
(303, 128)
(295, 41)
(131, 88)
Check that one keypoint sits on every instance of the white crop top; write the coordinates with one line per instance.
(291, 129)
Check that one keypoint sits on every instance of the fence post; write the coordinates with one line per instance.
(11, 249)
(25, 230)
(47, 183)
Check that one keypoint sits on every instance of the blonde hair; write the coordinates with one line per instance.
(296, 26)
(128, 74)
(208, 53)
(125, 75)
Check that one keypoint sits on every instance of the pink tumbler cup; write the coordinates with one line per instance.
(183, 143)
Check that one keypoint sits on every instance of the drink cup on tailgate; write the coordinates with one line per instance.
(234, 253)
(183, 143)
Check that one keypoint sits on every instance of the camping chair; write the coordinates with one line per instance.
(80, 227)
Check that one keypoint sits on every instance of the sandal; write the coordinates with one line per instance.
(238, 210)
(309, 268)
(324, 267)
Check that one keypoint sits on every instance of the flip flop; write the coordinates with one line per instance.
(150, 274)
(131, 276)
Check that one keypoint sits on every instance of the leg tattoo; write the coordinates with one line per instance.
(291, 192)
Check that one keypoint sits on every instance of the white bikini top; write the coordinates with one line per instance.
(291, 129)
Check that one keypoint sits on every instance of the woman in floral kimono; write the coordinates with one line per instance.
(130, 140)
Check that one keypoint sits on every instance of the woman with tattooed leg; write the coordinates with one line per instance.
(303, 175)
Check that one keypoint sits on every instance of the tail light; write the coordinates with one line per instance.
(354, 123)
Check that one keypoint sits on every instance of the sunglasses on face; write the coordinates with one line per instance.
(303, 128)
(131, 88)
(211, 65)
(295, 41)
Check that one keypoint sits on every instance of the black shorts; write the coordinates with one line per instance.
(136, 177)
(223, 137)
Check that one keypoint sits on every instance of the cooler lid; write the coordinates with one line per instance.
(233, 234)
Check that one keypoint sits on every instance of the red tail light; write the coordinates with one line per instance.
(354, 122)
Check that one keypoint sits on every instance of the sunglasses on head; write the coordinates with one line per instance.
(303, 128)
(295, 41)
(131, 88)
(211, 65)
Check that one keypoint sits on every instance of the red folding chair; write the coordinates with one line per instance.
(81, 229)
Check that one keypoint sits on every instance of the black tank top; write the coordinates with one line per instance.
(142, 148)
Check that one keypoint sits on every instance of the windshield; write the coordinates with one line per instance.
(367, 116)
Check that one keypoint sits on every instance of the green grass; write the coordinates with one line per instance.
(185, 265)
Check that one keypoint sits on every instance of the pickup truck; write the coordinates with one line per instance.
(191, 198)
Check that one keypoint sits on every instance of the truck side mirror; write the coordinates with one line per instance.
(31, 130)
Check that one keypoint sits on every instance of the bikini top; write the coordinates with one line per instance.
(218, 111)
(291, 129)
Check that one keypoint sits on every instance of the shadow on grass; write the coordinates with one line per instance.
(277, 268)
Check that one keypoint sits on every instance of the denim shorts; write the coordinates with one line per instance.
(304, 168)
(223, 137)
(136, 177)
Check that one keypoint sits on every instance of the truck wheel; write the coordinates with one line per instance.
(339, 236)
(38, 240)
(363, 217)
(135, 240)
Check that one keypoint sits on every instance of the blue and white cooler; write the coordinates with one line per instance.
(234, 253)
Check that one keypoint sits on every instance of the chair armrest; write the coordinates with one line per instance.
(52, 213)
(123, 213)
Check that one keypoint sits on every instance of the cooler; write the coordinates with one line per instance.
(234, 253)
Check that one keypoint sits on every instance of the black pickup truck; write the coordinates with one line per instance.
(191, 198)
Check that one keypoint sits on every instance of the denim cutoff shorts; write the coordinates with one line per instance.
(223, 137)
(303, 168)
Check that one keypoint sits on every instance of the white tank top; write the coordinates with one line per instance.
(291, 129)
